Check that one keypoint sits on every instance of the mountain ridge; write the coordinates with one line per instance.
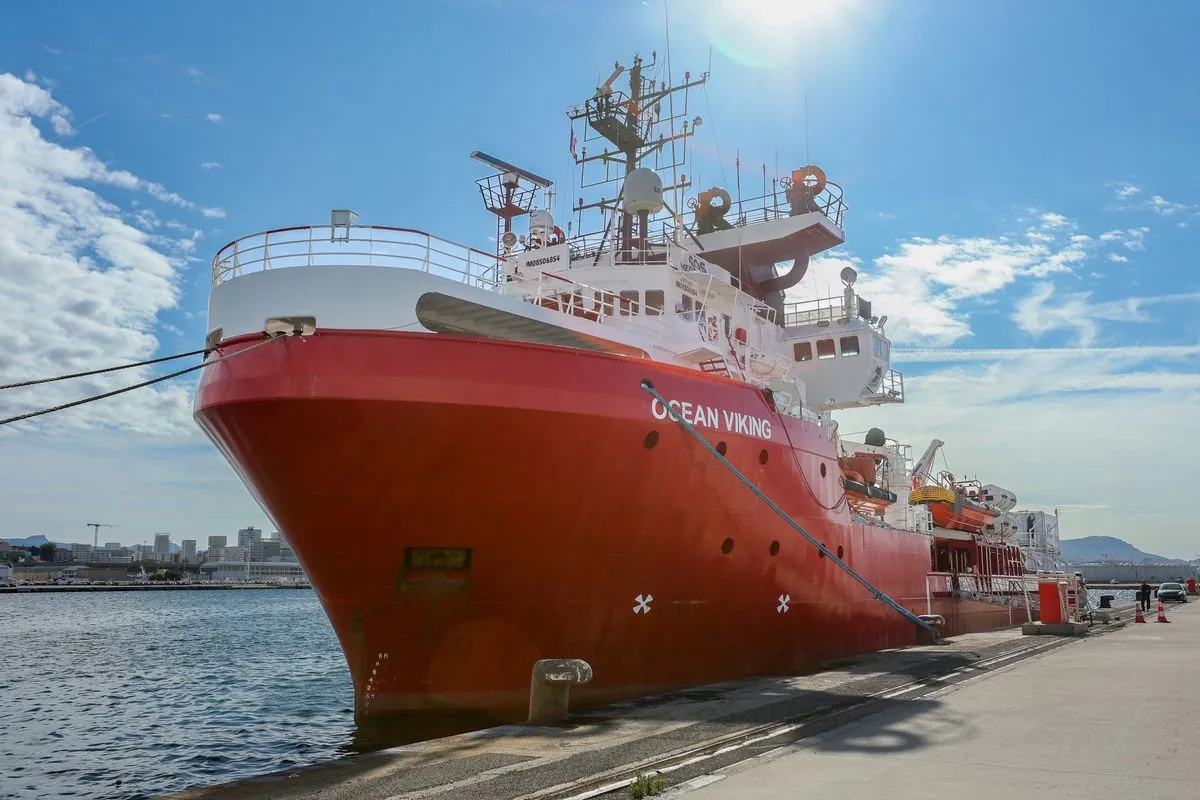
(1110, 548)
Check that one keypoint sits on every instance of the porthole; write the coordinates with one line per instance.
(650, 440)
(775, 548)
(841, 552)
(722, 448)
(822, 470)
(762, 456)
(727, 546)
(821, 553)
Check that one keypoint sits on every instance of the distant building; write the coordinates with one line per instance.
(117, 555)
(235, 554)
(113, 546)
(162, 547)
(81, 553)
(248, 537)
(217, 541)
(266, 572)
(187, 551)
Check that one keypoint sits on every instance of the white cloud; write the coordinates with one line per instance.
(1038, 314)
(1126, 197)
(923, 284)
(213, 213)
(207, 165)
(1063, 428)
(214, 117)
(1167, 207)
(80, 287)
(1117, 257)
(54, 51)
(1132, 238)
(194, 72)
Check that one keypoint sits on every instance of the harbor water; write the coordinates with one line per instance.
(130, 695)
(127, 695)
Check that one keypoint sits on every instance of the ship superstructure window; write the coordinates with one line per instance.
(825, 348)
(604, 303)
(656, 301)
(685, 308)
(802, 351)
(849, 345)
(629, 302)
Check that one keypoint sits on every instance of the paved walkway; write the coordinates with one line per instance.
(1111, 717)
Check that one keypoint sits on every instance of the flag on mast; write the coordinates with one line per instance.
(574, 155)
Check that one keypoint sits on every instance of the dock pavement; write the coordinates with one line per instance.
(696, 735)
(1108, 717)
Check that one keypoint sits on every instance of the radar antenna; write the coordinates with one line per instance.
(626, 121)
(508, 193)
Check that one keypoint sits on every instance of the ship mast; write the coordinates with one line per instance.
(627, 122)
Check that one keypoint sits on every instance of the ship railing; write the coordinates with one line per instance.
(774, 204)
(1005, 590)
(825, 310)
(355, 246)
(890, 387)
(602, 306)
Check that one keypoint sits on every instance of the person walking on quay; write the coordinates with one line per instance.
(1145, 592)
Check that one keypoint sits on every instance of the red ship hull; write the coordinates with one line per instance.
(464, 507)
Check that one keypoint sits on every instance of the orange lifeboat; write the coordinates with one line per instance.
(956, 507)
(860, 473)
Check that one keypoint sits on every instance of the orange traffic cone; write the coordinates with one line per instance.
(1140, 617)
(1162, 612)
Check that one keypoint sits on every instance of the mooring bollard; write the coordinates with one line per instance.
(550, 687)
(930, 637)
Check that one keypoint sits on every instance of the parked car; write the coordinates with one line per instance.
(1172, 591)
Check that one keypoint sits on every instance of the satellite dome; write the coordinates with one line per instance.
(643, 191)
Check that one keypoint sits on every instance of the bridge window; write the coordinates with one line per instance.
(849, 345)
(629, 303)
(604, 303)
(825, 349)
(802, 351)
(655, 302)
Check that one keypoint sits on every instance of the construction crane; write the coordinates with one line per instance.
(96, 526)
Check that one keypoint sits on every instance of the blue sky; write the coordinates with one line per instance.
(1021, 176)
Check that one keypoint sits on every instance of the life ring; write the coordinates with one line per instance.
(802, 177)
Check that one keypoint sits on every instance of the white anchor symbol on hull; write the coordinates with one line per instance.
(643, 604)
(782, 608)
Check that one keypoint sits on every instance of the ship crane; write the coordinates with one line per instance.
(925, 463)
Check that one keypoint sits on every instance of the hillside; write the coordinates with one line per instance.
(1110, 548)
(28, 541)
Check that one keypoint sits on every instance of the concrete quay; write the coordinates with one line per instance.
(1108, 717)
(682, 735)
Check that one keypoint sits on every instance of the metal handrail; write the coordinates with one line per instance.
(355, 245)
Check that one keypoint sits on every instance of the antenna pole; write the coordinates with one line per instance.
(807, 155)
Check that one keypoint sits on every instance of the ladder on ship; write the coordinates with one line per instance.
(875, 591)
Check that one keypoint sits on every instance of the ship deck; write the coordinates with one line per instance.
(680, 734)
